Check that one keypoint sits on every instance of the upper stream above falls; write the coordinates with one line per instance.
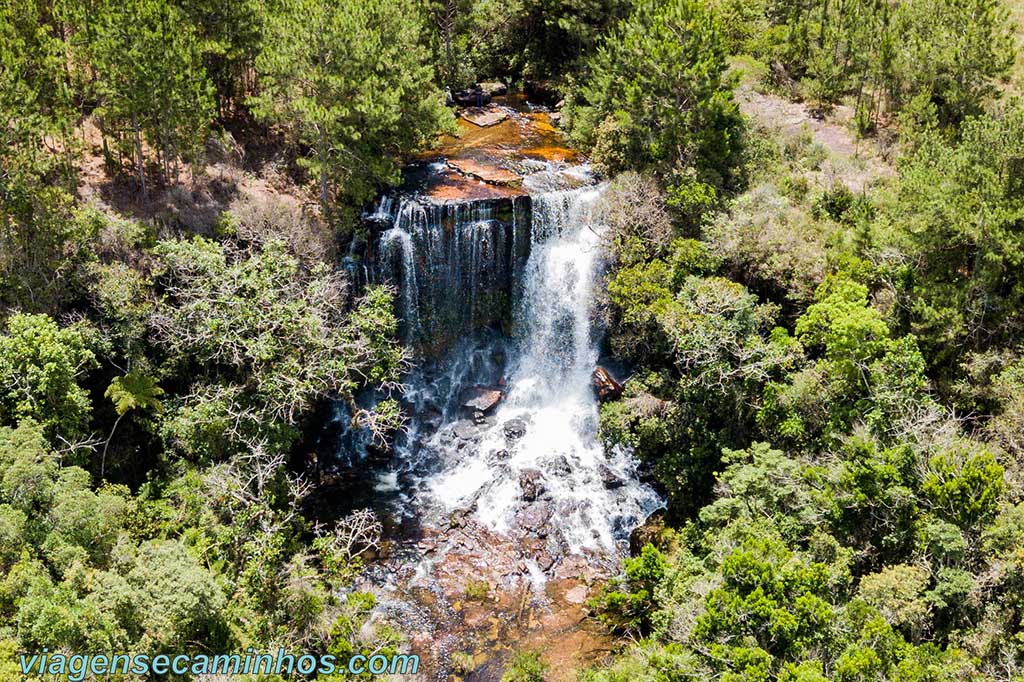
(500, 478)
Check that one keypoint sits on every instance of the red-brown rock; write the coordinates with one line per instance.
(481, 399)
(605, 386)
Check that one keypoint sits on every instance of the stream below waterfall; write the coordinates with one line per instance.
(499, 478)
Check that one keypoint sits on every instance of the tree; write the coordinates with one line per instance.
(561, 34)
(657, 98)
(29, 466)
(772, 605)
(963, 485)
(180, 600)
(957, 218)
(706, 348)
(36, 94)
(261, 338)
(452, 20)
(846, 328)
(230, 36)
(134, 391)
(351, 81)
(40, 367)
(46, 245)
(628, 604)
(954, 51)
(152, 84)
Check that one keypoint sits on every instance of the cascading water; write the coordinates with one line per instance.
(533, 464)
(453, 262)
(595, 498)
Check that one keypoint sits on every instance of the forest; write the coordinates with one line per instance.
(813, 216)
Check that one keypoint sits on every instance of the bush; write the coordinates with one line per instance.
(525, 666)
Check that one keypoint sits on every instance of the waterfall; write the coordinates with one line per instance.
(512, 285)
(453, 263)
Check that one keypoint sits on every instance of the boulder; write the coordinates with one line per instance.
(466, 430)
(558, 466)
(492, 175)
(481, 399)
(493, 88)
(544, 561)
(605, 386)
(514, 429)
(648, 532)
(609, 478)
(485, 117)
(577, 595)
(534, 518)
(471, 97)
(531, 483)
(459, 518)
(431, 418)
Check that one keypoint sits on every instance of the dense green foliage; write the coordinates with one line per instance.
(826, 359)
(885, 55)
(351, 79)
(806, 357)
(656, 98)
(154, 381)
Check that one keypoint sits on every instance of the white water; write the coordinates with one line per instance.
(549, 362)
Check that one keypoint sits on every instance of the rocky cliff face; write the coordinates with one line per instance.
(455, 264)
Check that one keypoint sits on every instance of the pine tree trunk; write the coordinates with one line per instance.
(323, 171)
(139, 159)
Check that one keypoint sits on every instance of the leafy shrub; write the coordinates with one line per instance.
(525, 666)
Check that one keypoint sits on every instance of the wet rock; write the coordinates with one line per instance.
(378, 454)
(431, 418)
(646, 533)
(531, 547)
(491, 174)
(531, 483)
(576, 595)
(556, 119)
(559, 466)
(485, 117)
(545, 561)
(514, 429)
(609, 478)
(535, 517)
(499, 456)
(459, 518)
(480, 399)
(466, 430)
(494, 88)
(471, 97)
(574, 566)
(605, 386)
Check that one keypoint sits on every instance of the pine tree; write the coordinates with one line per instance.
(152, 84)
(36, 98)
(350, 79)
